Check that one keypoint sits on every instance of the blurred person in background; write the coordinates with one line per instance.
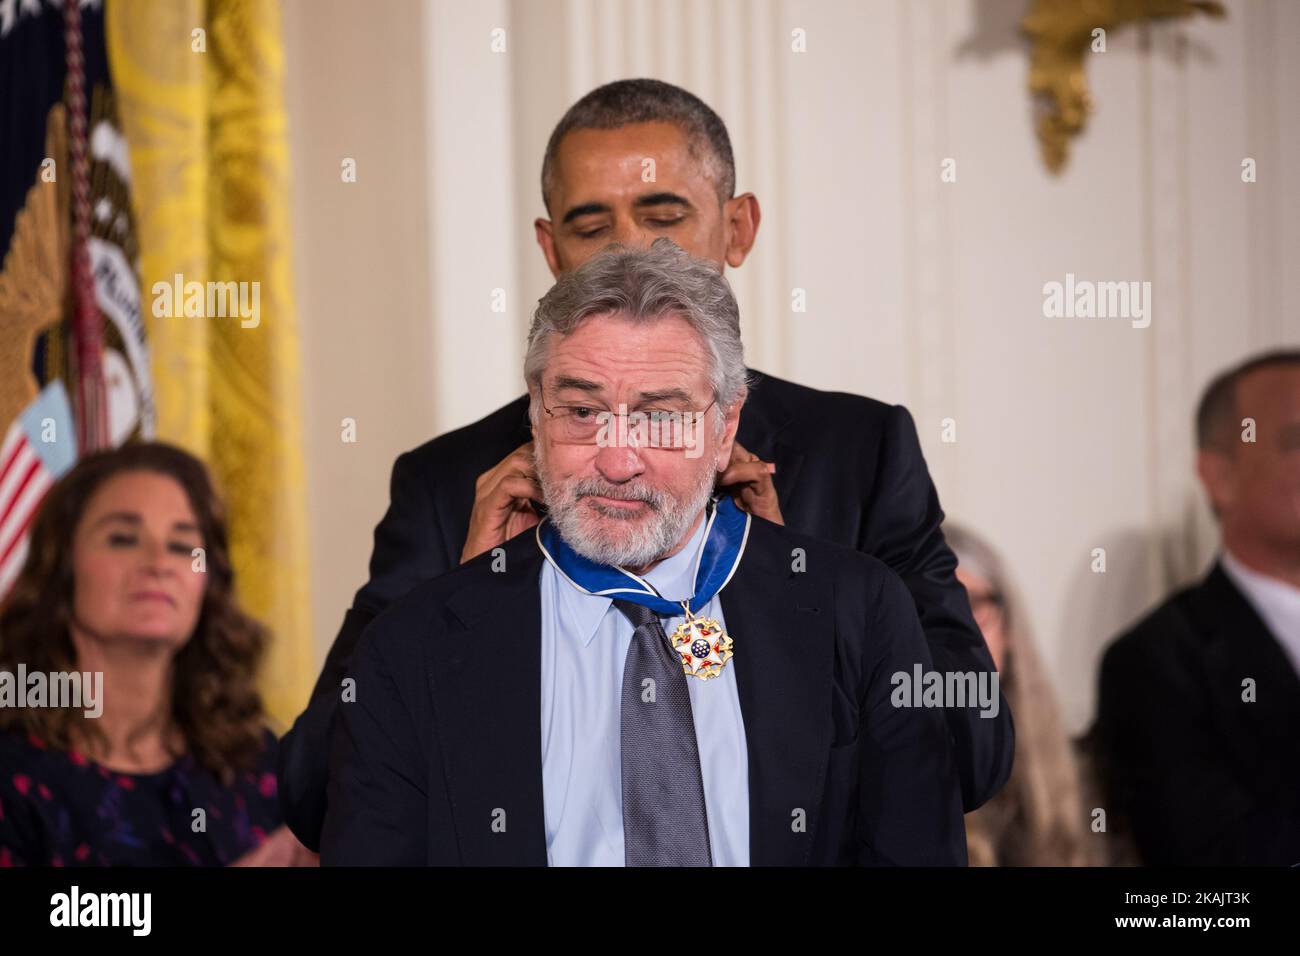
(129, 576)
(1038, 819)
(1198, 717)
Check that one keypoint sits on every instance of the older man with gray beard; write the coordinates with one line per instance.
(651, 676)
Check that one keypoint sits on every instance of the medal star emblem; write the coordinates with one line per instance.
(702, 646)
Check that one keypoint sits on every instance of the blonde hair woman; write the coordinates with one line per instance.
(1038, 819)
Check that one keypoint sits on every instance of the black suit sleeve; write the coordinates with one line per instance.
(910, 801)
(902, 529)
(1166, 770)
(408, 549)
(376, 808)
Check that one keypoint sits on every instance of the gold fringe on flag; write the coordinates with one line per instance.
(200, 93)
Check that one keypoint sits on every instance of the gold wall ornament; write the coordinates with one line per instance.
(1061, 34)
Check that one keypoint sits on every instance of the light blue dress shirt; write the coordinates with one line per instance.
(584, 644)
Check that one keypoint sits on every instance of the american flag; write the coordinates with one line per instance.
(38, 448)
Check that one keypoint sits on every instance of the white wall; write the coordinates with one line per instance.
(1071, 434)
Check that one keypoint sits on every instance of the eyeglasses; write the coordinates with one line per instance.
(987, 605)
(644, 428)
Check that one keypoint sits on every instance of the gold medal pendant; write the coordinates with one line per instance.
(702, 646)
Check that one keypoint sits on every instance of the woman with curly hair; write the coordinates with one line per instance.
(129, 577)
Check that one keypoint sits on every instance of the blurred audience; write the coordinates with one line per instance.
(128, 576)
(1038, 819)
(1199, 704)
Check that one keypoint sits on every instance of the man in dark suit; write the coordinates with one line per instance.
(1199, 704)
(529, 707)
(840, 467)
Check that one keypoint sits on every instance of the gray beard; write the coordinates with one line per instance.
(581, 529)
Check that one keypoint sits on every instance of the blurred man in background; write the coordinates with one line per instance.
(1199, 704)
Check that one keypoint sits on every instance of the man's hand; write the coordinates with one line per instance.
(503, 503)
(280, 848)
(748, 480)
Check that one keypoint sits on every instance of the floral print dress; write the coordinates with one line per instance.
(59, 808)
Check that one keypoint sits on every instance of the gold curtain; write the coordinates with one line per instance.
(200, 93)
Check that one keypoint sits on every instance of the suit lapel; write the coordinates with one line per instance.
(782, 623)
(1246, 649)
(486, 687)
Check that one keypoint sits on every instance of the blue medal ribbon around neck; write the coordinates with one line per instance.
(724, 543)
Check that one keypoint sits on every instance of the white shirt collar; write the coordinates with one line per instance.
(1275, 601)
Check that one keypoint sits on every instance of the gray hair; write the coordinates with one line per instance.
(625, 102)
(644, 284)
(975, 554)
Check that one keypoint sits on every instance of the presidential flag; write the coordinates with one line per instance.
(69, 289)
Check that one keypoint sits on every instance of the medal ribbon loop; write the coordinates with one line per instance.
(724, 543)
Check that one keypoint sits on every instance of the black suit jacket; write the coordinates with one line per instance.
(444, 737)
(848, 469)
(1199, 775)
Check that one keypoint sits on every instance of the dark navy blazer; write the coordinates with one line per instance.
(438, 760)
(848, 470)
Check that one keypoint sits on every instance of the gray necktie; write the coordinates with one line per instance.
(664, 818)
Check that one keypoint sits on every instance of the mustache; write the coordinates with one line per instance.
(656, 499)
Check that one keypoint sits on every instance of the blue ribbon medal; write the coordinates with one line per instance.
(699, 641)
